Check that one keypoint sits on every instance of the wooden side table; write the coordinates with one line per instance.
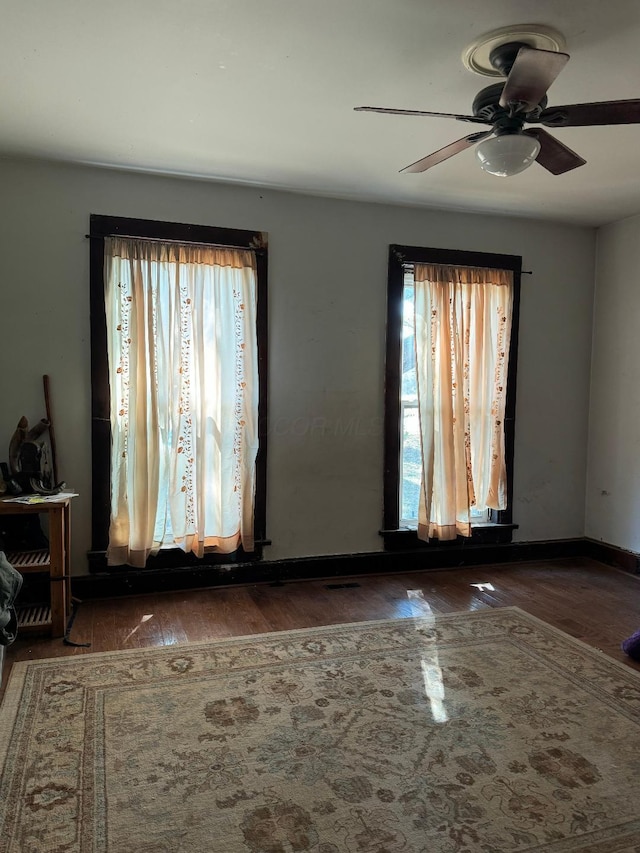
(56, 562)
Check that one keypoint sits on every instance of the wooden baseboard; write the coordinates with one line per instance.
(611, 555)
(134, 582)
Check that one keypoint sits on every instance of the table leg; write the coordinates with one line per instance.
(67, 563)
(57, 571)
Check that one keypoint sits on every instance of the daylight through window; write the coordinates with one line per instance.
(449, 425)
(183, 371)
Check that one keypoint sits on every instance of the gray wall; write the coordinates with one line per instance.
(327, 295)
(613, 481)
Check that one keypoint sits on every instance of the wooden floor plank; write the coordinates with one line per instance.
(597, 604)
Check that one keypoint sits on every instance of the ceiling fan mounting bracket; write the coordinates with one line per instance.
(503, 56)
(476, 57)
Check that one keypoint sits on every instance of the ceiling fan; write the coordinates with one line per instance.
(509, 147)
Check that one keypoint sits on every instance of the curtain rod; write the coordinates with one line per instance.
(406, 264)
(257, 251)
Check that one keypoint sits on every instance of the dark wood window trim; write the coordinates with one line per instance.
(100, 227)
(500, 530)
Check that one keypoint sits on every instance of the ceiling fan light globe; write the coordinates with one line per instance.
(507, 154)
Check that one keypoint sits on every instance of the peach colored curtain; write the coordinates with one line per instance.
(183, 371)
(463, 330)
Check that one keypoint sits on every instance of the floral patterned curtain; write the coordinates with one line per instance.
(183, 371)
(463, 331)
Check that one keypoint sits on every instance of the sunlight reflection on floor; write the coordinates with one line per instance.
(431, 671)
(142, 621)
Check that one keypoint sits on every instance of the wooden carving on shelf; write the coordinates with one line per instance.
(30, 464)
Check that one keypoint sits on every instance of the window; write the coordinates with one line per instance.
(422, 283)
(179, 392)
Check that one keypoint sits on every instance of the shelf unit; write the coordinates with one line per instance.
(54, 561)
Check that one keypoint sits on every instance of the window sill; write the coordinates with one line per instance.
(175, 558)
(406, 539)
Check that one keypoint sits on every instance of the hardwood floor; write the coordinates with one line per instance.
(586, 599)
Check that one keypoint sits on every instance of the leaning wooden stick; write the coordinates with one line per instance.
(52, 436)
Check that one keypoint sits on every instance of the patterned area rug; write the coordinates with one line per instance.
(487, 731)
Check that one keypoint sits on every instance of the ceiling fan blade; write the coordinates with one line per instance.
(554, 156)
(585, 115)
(531, 75)
(393, 112)
(446, 152)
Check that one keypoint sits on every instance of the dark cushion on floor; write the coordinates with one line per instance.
(632, 645)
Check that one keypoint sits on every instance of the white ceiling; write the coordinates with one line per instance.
(262, 92)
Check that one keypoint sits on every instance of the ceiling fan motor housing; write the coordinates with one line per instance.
(486, 105)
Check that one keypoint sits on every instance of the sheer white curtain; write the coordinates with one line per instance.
(183, 372)
(462, 334)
